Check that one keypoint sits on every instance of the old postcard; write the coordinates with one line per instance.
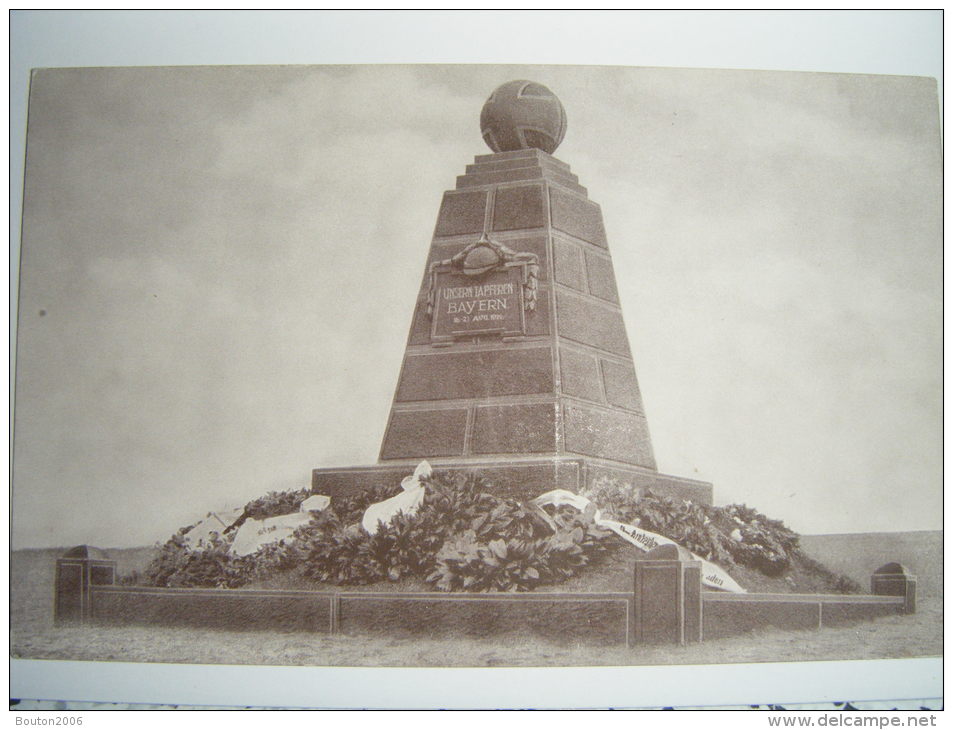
(478, 366)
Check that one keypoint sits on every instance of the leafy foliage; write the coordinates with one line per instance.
(462, 538)
(176, 566)
(514, 548)
(732, 535)
(273, 504)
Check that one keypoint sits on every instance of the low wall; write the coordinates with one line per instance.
(560, 617)
(730, 614)
(235, 610)
(665, 605)
(598, 617)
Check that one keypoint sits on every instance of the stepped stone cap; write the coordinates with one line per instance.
(87, 552)
(669, 552)
(522, 115)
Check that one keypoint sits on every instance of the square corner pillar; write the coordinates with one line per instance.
(893, 579)
(668, 605)
(76, 571)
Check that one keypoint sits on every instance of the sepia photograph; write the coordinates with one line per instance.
(459, 365)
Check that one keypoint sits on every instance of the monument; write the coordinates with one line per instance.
(518, 363)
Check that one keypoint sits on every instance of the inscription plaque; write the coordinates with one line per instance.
(469, 306)
(484, 290)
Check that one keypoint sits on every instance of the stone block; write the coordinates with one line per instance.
(536, 245)
(519, 207)
(569, 266)
(580, 375)
(461, 212)
(539, 321)
(577, 217)
(562, 618)
(77, 572)
(425, 434)
(601, 277)
(514, 429)
(561, 182)
(531, 153)
(847, 613)
(673, 487)
(500, 176)
(420, 326)
(68, 605)
(548, 165)
(668, 606)
(479, 168)
(724, 618)
(893, 579)
(607, 435)
(232, 610)
(447, 375)
(622, 387)
(643, 480)
(637, 481)
(514, 479)
(522, 480)
(692, 602)
(564, 177)
(656, 604)
(589, 323)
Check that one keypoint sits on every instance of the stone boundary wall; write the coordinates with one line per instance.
(666, 605)
(730, 614)
(213, 608)
(601, 618)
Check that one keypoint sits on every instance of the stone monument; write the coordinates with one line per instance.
(518, 363)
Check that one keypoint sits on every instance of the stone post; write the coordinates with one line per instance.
(668, 604)
(893, 579)
(78, 569)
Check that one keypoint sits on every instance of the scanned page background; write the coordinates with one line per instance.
(609, 190)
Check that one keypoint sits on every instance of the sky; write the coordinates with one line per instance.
(219, 268)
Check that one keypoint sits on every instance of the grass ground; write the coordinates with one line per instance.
(33, 635)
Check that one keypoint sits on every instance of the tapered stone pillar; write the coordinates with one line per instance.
(518, 362)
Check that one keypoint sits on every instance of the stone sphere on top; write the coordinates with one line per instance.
(522, 115)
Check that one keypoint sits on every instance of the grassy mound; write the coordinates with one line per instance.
(463, 538)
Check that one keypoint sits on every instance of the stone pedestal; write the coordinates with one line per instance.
(518, 362)
(893, 579)
(516, 478)
(78, 569)
(668, 600)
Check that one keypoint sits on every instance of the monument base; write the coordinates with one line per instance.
(516, 478)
